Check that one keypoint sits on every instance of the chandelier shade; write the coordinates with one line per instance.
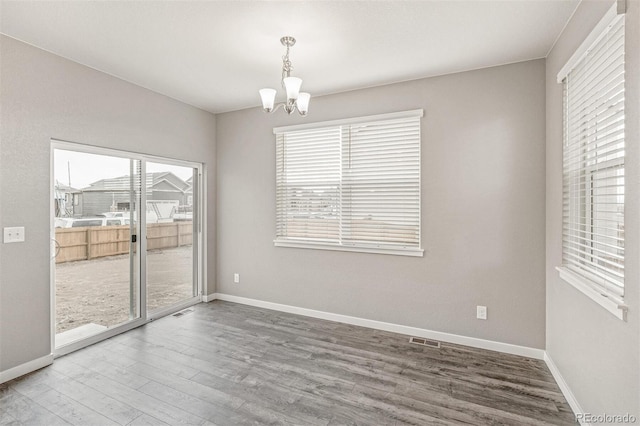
(303, 102)
(292, 86)
(268, 97)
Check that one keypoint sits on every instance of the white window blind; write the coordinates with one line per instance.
(353, 185)
(593, 164)
(308, 185)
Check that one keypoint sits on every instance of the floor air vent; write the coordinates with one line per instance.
(424, 342)
(183, 312)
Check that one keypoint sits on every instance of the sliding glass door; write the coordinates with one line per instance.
(106, 278)
(171, 215)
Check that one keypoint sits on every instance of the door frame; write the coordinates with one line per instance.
(200, 270)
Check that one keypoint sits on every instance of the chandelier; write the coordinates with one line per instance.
(295, 99)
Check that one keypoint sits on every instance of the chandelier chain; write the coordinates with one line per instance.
(286, 66)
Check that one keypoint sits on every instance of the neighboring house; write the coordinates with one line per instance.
(113, 194)
(64, 199)
(167, 186)
(189, 191)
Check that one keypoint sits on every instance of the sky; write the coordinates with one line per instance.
(84, 169)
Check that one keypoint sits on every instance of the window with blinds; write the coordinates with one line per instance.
(350, 185)
(594, 164)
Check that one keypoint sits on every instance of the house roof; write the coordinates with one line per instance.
(65, 188)
(165, 181)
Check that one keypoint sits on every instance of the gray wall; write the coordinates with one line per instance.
(596, 353)
(45, 96)
(482, 211)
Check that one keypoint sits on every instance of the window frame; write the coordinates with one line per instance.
(596, 288)
(340, 245)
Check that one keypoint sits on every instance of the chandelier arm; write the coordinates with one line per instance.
(292, 107)
(275, 108)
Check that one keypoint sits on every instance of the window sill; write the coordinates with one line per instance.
(618, 309)
(416, 252)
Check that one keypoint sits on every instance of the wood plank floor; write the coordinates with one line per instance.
(230, 364)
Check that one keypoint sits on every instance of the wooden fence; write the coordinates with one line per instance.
(100, 241)
(359, 229)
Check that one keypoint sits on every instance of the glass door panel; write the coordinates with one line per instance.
(171, 236)
(96, 285)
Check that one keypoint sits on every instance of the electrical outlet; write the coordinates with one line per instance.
(14, 235)
(481, 312)
(236, 278)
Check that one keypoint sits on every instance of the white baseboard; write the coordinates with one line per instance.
(25, 368)
(394, 328)
(564, 387)
(206, 298)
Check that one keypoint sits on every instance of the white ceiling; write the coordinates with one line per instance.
(216, 54)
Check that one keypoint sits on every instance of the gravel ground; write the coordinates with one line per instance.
(97, 291)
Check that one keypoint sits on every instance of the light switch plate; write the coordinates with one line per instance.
(481, 312)
(14, 234)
